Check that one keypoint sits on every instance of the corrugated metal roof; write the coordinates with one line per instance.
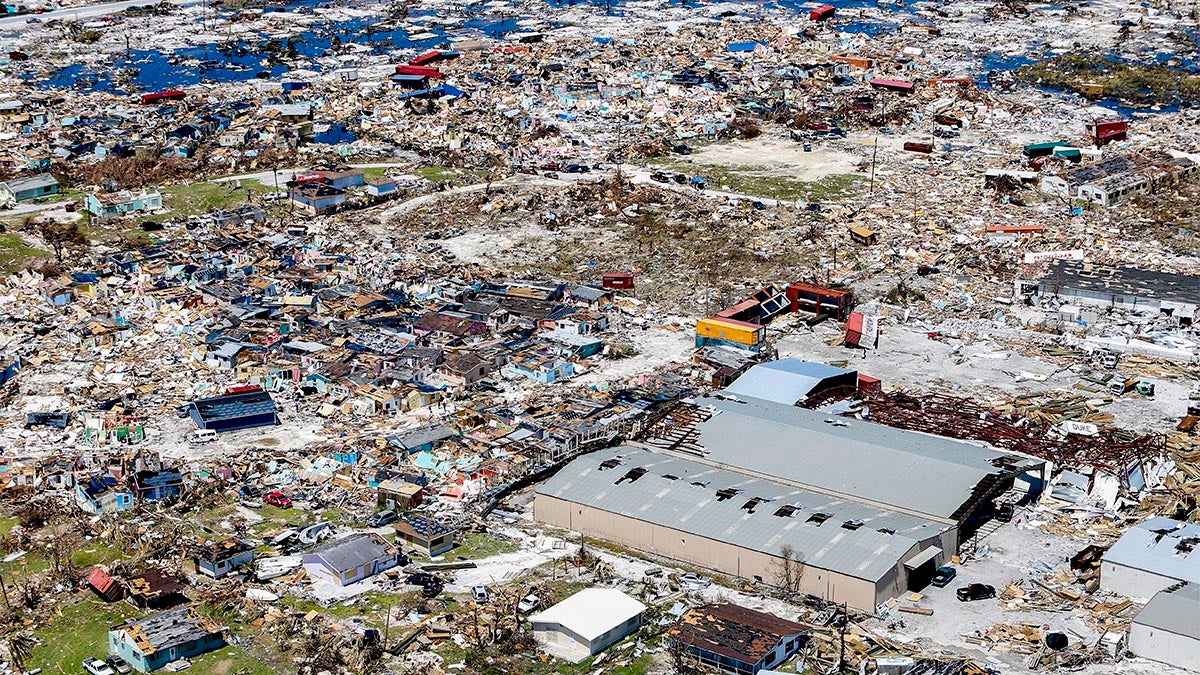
(847, 456)
(784, 381)
(690, 503)
(235, 407)
(1166, 547)
(1176, 610)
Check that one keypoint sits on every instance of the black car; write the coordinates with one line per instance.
(250, 492)
(1005, 513)
(577, 168)
(423, 579)
(431, 590)
(943, 576)
(976, 592)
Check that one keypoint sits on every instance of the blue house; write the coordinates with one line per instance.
(153, 486)
(382, 187)
(219, 559)
(235, 411)
(151, 643)
(422, 439)
(540, 367)
(343, 180)
(102, 494)
(317, 198)
(30, 187)
(115, 204)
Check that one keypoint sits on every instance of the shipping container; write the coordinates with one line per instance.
(716, 331)
(820, 301)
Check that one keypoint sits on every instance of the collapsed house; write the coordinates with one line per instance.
(1125, 288)
(750, 487)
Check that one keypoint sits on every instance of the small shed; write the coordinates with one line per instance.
(108, 588)
(863, 236)
(587, 623)
(400, 495)
(425, 534)
(219, 559)
(617, 280)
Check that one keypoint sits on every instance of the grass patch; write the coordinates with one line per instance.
(756, 181)
(480, 545)
(96, 554)
(77, 631)
(198, 198)
(15, 254)
(230, 661)
(437, 174)
(7, 524)
(30, 563)
(374, 173)
(1140, 82)
(292, 516)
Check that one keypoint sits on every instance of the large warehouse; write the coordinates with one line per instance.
(728, 483)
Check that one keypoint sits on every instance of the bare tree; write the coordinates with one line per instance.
(62, 237)
(790, 569)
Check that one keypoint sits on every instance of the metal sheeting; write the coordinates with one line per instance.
(1168, 548)
(1175, 610)
(784, 381)
(690, 503)
(918, 472)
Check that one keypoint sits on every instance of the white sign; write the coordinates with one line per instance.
(1043, 256)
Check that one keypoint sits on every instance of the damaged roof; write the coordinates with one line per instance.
(744, 635)
(834, 533)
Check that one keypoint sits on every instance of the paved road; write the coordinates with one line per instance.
(21, 22)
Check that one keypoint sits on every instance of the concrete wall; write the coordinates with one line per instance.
(710, 554)
(1163, 646)
(1130, 582)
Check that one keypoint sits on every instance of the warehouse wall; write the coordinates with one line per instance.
(1130, 582)
(1163, 646)
(708, 553)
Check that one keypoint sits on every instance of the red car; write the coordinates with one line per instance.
(278, 499)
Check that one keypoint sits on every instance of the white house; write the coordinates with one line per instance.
(587, 623)
(1167, 629)
(1151, 556)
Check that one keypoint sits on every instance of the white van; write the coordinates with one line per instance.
(203, 436)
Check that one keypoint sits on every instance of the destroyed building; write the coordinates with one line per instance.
(1124, 288)
(149, 644)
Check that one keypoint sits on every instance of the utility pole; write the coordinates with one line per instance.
(4, 591)
(842, 645)
(874, 155)
(387, 624)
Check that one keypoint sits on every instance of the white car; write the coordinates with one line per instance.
(480, 593)
(694, 580)
(528, 603)
(97, 667)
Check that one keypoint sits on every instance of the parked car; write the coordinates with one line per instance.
(943, 576)
(1005, 513)
(120, 665)
(278, 499)
(660, 177)
(432, 590)
(203, 436)
(976, 592)
(249, 491)
(694, 580)
(577, 168)
(480, 593)
(423, 579)
(551, 175)
(528, 603)
(385, 517)
(95, 666)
